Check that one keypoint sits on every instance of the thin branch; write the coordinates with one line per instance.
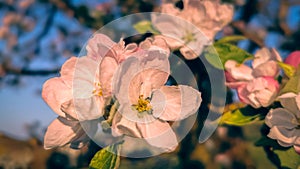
(282, 15)
(251, 36)
(28, 72)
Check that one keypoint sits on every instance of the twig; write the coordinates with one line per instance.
(283, 11)
(249, 35)
(38, 72)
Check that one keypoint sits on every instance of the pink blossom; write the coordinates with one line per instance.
(260, 92)
(74, 90)
(293, 59)
(146, 105)
(83, 88)
(255, 85)
(194, 27)
(101, 45)
(284, 122)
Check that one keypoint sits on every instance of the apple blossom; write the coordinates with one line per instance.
(146, 105)
(58, 94)
(194, 27)
(257, 85)
(260, 92)
(284, 122)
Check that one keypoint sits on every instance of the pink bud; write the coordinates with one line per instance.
(293, 59)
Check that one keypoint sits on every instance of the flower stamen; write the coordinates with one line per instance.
(143, 105)
(98, 90)
(189, 37)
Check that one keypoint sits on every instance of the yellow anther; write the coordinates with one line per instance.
(98, 91)
(189, 37)
(142, 105)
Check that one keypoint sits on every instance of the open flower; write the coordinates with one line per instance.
(285, 122)
(83, 89)
(146, 105)
(257, 85)
(74, 90)
(101, 45)
(194, 27)
(260, 92)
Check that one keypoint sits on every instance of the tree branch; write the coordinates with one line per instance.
(251, 36)
(28, 72)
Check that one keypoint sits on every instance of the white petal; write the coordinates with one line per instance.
(86, 74)
(159, 134)
(289, 101)
(261, 56)
(67, 71)
(89, 108)
(55, 92)
(99, 46)
(269, 68)
(172, 103)
(238, 72)
(137, 77)
(280, 117)
(122, 126)
(108, 68)
(61, 132)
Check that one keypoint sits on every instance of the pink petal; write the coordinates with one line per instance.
(265, 97)
(269, 68)
(122, 126)
(275, 55)
(55, 92)
(159, 134)
(156, 43)
(238, 71)
(235, 85)
(99, 46)
(188, 53)
(89, 108)
(173, 43)
(68, 108)
(137, 77)
(290, 101)
(123, 78)
(261, 56)
(85, 76)
(264, 55)
(293, 59)
(108, 67)
(172, 103)
(281, 139)
(67, 71)
(243, 94)
(61, 132)
(298, 101)
(169, 9)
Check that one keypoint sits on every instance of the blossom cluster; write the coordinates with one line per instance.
(259, 86)
(133, 76)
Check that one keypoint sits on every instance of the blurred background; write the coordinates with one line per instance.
(38, 36)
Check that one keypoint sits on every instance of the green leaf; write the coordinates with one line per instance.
(145, 27)
(293, 84)
(288, 158)
(224, 52)
(212, 57)
(231, 39)
(287, 69)
(105, 159)
(243, 116)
